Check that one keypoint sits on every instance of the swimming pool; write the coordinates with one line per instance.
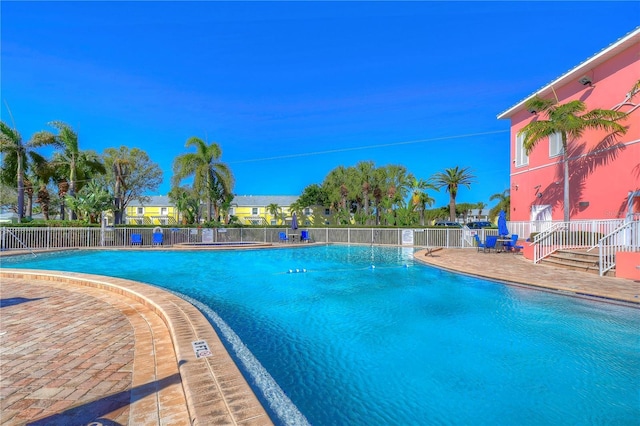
(402, 343)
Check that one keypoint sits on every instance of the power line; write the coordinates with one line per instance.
(359, 148)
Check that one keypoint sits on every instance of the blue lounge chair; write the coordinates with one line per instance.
(490, 242)
(158, 238)
(479, 243)
(136, 239)
(283, 237)
(304, 236)
(512, 245)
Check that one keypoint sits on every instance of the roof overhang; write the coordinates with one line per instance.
(604, 55)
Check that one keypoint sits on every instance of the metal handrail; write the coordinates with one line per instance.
(19, 240)
(624, 238)
(542, 250)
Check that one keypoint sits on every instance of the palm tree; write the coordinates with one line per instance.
(274, 210)
(451, 179)
(421, 202)
(337, 189)
(504, 203)
(15, 162)
(398, 183)
(480, 206)
(569, 120)
(419, 198)
(211, 177)
(365, 170)
(186, 204)
(77, 165)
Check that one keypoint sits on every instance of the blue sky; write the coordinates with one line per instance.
(290, 90)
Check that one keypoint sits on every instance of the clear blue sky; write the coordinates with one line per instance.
(291, 90)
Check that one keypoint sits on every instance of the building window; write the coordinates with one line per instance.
(522, 159)
(163, 211)
(254, 211)
(327, 212)
(273, 221)
(140, 210)
(307, 211)
(555, 145)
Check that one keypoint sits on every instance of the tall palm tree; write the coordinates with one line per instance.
(15, 163)
(67, 142)
(571, 121)
(211, 177)
(365, 170)
(504, 203)
(76, 165)
(451, 179)
(336, 184)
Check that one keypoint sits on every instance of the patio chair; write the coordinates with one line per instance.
(512, 245)
(479, 244)
(283, 237)
(158, 237)
(136, 239)
(490, 242)
(304, 236)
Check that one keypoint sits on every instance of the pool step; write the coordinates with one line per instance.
(579, 260)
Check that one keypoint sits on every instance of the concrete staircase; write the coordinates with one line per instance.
(579, 260)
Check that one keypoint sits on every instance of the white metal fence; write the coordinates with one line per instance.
(550, 236)
(24, 238)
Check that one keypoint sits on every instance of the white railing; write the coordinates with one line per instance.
(578, 234)
(624, 238)
(556, 235)
(26, 238)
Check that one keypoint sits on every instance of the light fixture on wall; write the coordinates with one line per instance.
(532, 111)
(586, 81)
(583, 204)
(538, 193)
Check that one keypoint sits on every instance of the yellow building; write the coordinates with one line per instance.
(254, 210)
(158, 211)
(248, 209)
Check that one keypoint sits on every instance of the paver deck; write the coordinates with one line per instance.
(82, 349)
(78, 349)
(514, 268)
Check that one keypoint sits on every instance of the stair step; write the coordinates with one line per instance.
(579, 254)
(566, 263)
(578, 260)
(576, 266)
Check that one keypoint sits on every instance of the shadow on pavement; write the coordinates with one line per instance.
(91, 413)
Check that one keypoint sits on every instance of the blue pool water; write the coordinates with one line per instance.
(402, 343)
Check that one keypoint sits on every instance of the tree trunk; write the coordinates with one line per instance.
(20, 191)
(452, 209)
(567, 205)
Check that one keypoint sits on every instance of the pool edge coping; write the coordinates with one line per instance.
(202, 380)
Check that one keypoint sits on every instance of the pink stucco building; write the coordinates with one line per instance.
(604, 175)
